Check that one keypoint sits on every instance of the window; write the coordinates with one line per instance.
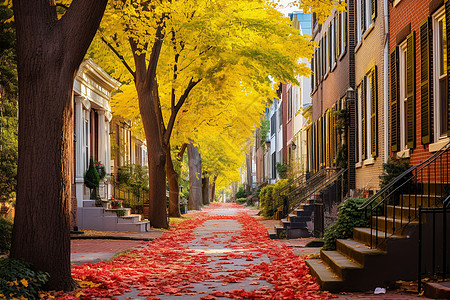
(358, 128)
(367, 116)
(343, 35)
(86, 116)
(440, 74)
(365, 14)
(402, 96)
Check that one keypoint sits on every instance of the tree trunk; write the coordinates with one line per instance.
(205, 189)
(212, 189)
(49, 52)
(195, 178)
(156, 160)
(174, 189)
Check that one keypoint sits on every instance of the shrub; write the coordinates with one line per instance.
(241, 193)
(19, 280)
(121, 212)
(282, 170)
(241, 200)
(268, 203)
(5, 235)
(393, 168)
(91, 178)
(348, 217)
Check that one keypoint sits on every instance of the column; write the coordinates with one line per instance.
(79, 157)
(101, 137)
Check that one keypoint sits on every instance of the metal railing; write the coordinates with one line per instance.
(434, 264)
(292, 185)
(425, 184)
(130, 199)
(309, 187)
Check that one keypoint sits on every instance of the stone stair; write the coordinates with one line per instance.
(295, 225)
(354, 266)
(90, 217)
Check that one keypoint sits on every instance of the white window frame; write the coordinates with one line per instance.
(358, 21)
(333, 43)
(86, 138)
(402, 95)
(437, 16)
(343, 33)
(359, 94)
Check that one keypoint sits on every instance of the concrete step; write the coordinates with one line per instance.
(421, 200)
(92, 211)
(129, 219)
(272, 234)
(402, 212)
(287, 224)
(303, 213)
(356, 251)
(327, 279)
(142, 226)
(294, 218)
(110, 211)
(279, 229)
(88, 203)
(295, 233)
(364, 236)
(391, 225)
(340, 264)
(434, 188)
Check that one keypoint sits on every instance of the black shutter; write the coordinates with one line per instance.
(363, 17)
(395, 128)
(411, 89)
(363, 119)
(374, 112)
(426, 83)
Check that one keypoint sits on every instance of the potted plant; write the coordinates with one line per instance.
(116, 204)
(92, 180)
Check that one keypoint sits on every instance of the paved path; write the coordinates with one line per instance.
(221, 252)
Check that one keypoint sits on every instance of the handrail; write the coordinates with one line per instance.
(296, 180)
(321, 186)
(404, 174)
(312, 179)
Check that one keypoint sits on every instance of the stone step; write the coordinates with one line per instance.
(92, 211)
(272, 234)
(129, 219)
(340, 264)
(111, 211)
(390, 225)
(303, 213)
(295, 218)
(420, 200)
(357, 251)
(434, 188)
(403, 212)
(287, 224)
(295, 233)
(279, 229)
(142, 226)
(88, 203)
(364, 236)
(328, 280)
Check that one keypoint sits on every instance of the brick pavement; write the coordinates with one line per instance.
(105, 246)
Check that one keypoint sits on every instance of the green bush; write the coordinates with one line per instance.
(348, 217)
(5, 235)
(91, 178)
(241, 193)
(282, 170)
(241, 200)
(268, 203)
(19, 280)
(393, 168)
(121, 212)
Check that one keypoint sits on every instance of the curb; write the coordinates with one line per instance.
(112, 237)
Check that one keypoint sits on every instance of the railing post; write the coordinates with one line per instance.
(419, 265)
(444, 240)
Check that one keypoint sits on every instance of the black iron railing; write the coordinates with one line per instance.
(131, 198)
(433, 245)
(309, 187)
(292, 185)
(397, 204)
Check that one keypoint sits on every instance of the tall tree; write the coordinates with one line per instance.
(201, 45)
(50, 47)
(8, 106)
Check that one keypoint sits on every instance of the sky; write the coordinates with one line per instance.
(285, 9)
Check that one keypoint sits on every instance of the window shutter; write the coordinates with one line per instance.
(363, 16)
(426, 96)
(410, 89)
(329, 44)
(363, 119)
(338, 35)
(374, 112)
(373, 9)
(395, 128)
(344, 15)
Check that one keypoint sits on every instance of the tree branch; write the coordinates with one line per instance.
(120, 56)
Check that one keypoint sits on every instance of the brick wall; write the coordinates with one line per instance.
(368, 53)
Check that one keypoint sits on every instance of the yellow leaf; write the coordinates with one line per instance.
(24, 282)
